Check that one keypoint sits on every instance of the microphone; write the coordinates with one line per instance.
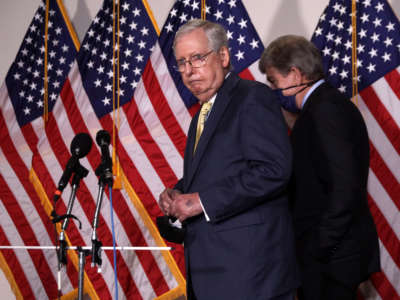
(105, 169)
(80, 147)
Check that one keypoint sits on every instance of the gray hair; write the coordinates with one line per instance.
(215, 33)
(290, 51)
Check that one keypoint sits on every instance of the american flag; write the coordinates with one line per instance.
(24, 218)
(378, 60)
(149, 142)
(106, 71)
(33, 274)
(244, 43)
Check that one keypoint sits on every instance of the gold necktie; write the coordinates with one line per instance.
(205, 108)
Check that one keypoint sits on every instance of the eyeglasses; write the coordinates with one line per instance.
(195, 61)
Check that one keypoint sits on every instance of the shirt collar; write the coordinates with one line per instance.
(313, 87)
(212, 100)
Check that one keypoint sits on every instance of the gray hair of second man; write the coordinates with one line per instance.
(215, 33)
(290, 51)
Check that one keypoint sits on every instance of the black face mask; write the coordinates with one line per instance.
(289, 102)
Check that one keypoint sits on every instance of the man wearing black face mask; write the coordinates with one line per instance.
(336, 240)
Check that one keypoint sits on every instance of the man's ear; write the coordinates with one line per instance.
(224, 56)
(298, 74)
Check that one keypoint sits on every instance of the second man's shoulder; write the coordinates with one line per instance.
(253, 84)
(252, 87)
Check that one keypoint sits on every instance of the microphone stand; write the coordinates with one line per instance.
(105, 178)
(82, 260)
(80, 172)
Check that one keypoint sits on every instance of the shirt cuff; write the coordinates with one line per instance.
(204, 211)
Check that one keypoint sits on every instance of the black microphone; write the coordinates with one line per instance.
(80, 147)
(105, 169)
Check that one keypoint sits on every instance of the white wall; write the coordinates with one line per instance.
(271, 18)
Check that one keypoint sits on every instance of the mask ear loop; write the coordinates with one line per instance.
(306, 85)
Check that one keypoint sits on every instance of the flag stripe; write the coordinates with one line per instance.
(150, 148)
(382, 116)
(393, 78)
(12, 129)
(387, 96)
(368, 289)
(23, 256)
(255, 72)
(385, 232)
(20, 214)
(171, 94)
(391, 271)
(13, 263)
(385, 177)
(140, 158)
(380, 141)
(162, 109)
(146, 258)
(384, 288)
(390, 234)
(139, 181)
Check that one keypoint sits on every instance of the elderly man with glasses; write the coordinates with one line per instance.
(232, 197)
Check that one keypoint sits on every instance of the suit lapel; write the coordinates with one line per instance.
(190, 145)
(217, 111)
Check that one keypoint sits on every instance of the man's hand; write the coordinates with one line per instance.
(185, 206)
(166, 199)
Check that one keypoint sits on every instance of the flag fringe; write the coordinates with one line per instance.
(170, 261)
(10, 277)
(174, 294)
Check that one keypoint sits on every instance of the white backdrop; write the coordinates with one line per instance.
(271, 18)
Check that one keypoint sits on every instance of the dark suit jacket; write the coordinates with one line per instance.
(333, 223)
(241, 168)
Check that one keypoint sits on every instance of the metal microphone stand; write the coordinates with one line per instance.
(105, 178)
(80, 172)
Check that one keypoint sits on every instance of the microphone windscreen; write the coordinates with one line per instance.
(81, 144)
(103, 138)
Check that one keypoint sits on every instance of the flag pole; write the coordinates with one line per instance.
(354, 51)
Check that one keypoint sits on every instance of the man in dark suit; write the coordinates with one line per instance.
(239, 241)
(337, 243)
